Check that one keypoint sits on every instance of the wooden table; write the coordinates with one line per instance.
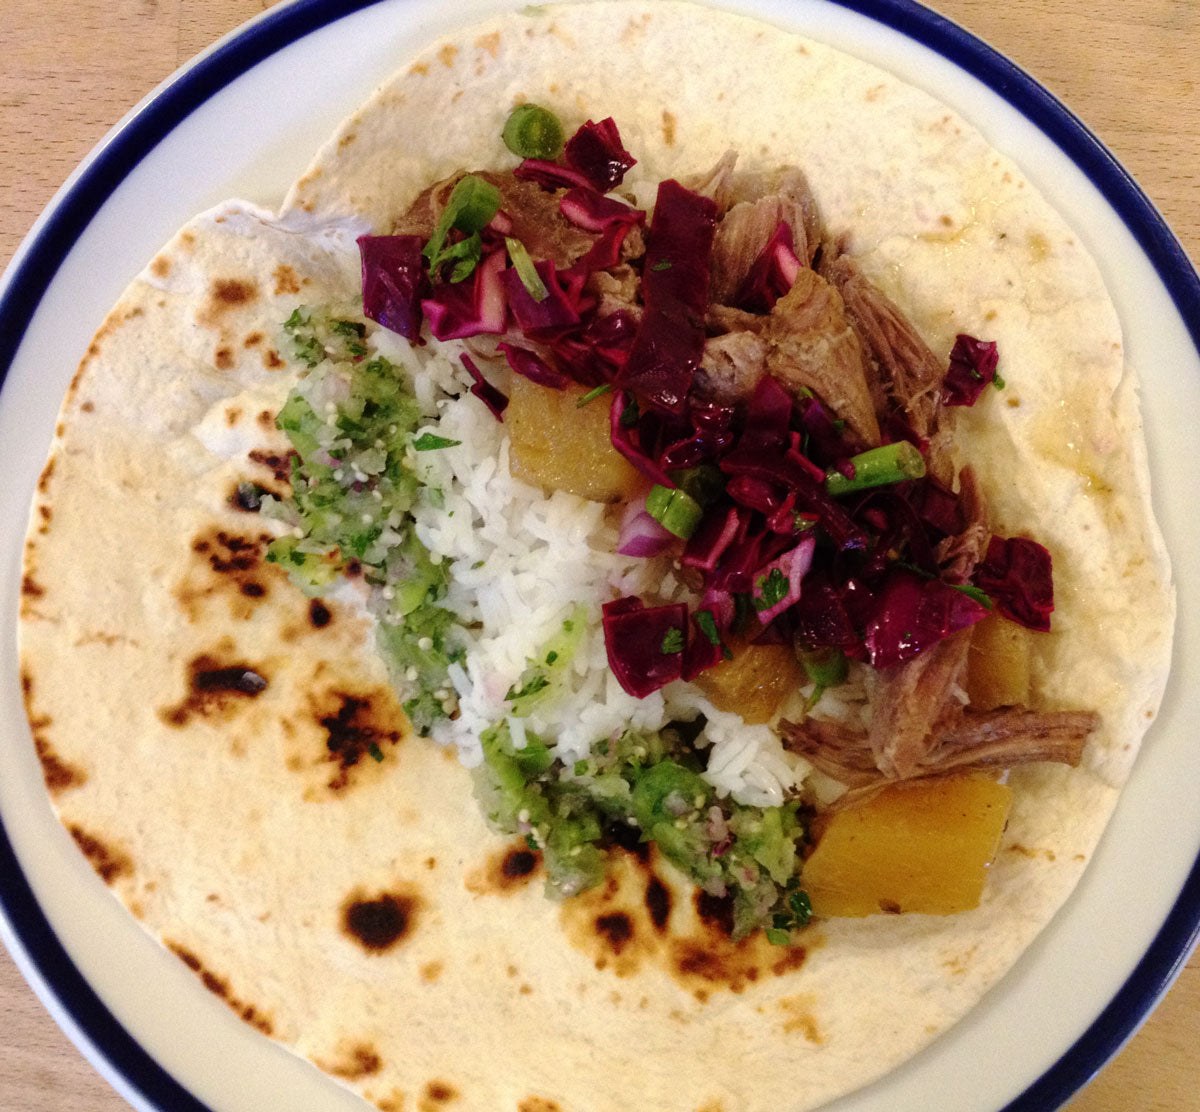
(70, 68)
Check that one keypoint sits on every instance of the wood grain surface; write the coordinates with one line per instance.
(69, 69)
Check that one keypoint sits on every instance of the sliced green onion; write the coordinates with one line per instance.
(675, 511)
(826, 668)
(594, 393)
(532, 131)
(889, 463)
(705, 482)
(526, 271)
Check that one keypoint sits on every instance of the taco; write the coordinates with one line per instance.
(296, 601)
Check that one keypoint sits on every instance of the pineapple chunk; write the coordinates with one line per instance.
(923, 846)
(559, 445)
(998, 664)
(754, 682)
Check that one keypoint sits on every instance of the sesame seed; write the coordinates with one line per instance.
(367, 519)
(388, 593)
(681, 824)
(411, 673)
(575, 851)
(435, 558)
(339, 474)
(523, 815)
(425, 644)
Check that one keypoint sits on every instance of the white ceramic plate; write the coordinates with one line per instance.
(243, 120)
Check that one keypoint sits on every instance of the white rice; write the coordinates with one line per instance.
(522, 562)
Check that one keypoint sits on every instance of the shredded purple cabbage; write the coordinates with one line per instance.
(496, 401)
(912, 614)
(670, 340)
(393, 282)
(771, 275)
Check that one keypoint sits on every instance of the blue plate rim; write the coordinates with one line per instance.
(35, 268)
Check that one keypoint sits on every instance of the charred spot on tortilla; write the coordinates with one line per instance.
(539, 1104)
(215, 687)
(226, 294)
(658, 902)
(219, 986)
(319, 614)
(31, 588)
(616, 928)
(359, 727)
(43, 483)
(272, 360)
(437, 1094)
(354, 1063)
(253, 339)
(507, 870)
(286, 280)
(379, 924)
(715, 911)
(247, 496)
(223, 359)
(58, 775)
(109, 863)
(160, 266)
(280, 466)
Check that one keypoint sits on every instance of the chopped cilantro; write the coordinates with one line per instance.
(429, 442)
(539, 681)
(971, 591)
(591, 395)
(773, 588)
(672, 641)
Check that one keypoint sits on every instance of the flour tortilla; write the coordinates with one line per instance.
(366, 918)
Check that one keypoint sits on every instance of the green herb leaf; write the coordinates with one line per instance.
(998, 382)
(971, 591)
(470, 208)
(428, 442)
(375, 751)
(778, 937)
(672, 641)
(662, 264)
(772, 589)
(707, 625)
(537, 682)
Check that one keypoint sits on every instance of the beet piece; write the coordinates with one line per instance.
(972, 367)
(597, 152)
(1018, 575)
(644, 644)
